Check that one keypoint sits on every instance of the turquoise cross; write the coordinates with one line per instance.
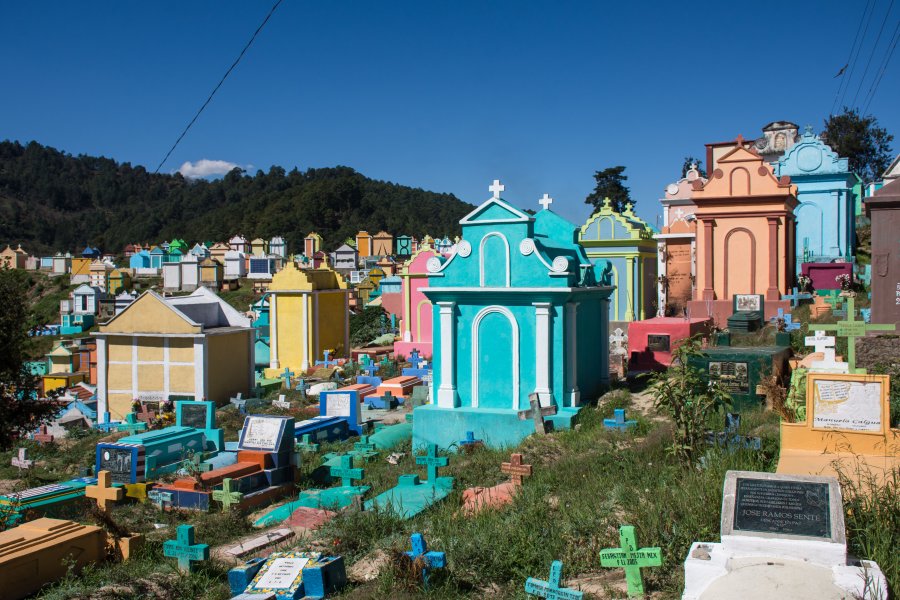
(433, 462)
(288, 376)
(305, 445)
(346, 471)
(184, 549)
(131, 424)
(364, 445)
(551, 589)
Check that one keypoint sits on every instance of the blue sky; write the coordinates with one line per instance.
(441, 95)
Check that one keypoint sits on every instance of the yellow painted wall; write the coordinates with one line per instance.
(181, 350)
(150, 378)
(289, 315)
(181, 379)
(52, 382)
(81, 266)
(119, 405)
(118, 377)
(150, 349)
(119, 348)
(228, 365)
(331, 323)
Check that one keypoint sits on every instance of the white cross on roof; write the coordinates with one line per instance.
(546, 201)
(496, 187)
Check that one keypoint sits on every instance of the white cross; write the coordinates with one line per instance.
(618, 341)
(495, 188)
(820, 341)
(828, 364)
(679, 213)
(546, 201)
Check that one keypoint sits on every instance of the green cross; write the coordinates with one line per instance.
(226, 496)
(184, 549)
(550, 589)
(851, 329)
(131, 424)
(432, 461)
(346, 471)
(631, 558)
(305, 445)
(834, 302)
(364, 445)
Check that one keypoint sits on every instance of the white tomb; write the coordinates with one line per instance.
(782, 536)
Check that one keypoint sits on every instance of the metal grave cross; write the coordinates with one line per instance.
(537, 413)
(131, 424)
(618, 421)
(104, 493)
(851, 329)
(433, 462)
(515, 469)
(546, 201)
(631, 558)
(226, 495)
(305, 445)
(495, 188)
(184, 549)
(288, 377)
(346, 471)
(420, 555)
(22, 461)
(551, 589)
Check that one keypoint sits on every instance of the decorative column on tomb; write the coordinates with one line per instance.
(745, 241)
(677, 241)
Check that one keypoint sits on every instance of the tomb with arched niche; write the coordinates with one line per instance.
(745, 235)
(518, 314)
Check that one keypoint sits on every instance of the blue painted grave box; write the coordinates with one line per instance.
(342, 403)
(323, 429)
(146, 456)
(240, 577)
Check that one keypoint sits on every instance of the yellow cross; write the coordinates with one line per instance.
(103, 492)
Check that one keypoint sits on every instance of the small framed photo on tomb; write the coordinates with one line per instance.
(657, 342)
(848, 402)
(196, 414)
(748, 303)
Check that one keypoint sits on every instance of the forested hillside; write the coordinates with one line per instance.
(50, 200)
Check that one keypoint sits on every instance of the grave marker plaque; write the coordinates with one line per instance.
(783, 507)
(119, 462)
(733, 376)
(262, 433)
(193, 415)
(658, 343)
(846, 403)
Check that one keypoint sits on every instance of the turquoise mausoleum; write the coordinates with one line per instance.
(826, 215)
(516, 310)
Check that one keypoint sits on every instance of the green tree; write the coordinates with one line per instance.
(866, 145)
(691, 160)
(365, 325)
(20, 409)
(610, 184)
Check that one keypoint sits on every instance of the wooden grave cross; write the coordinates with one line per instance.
(104, 493)
(184, 549)
(22, 461)
(551, 589)
(631, 558)
(433, 462)
(226, 495)
(537, 413)
(515, 469)
(43, 436)
(420, 555)
(131, 424)
(851, 329)
(346, 471)
(305, 445)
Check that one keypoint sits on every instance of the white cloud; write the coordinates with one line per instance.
(205, 168)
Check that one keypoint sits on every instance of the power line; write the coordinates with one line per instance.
(858, 51)
(218, 85)
(884, 65)
(872, 54)
(847, 64)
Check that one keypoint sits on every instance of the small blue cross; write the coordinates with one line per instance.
(618, 421)
(796, 297)
(551, 589)
(371, 368)
(415, 359)
(288, 377)
(428, 559)
(470, 440)
(302, 387)
(789, 324)
(326, 363)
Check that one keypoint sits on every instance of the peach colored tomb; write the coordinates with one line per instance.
(745, 235)
(477, 499)
(847, 426)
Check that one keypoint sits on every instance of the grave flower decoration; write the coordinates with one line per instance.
(803, 282)
(844, 281)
